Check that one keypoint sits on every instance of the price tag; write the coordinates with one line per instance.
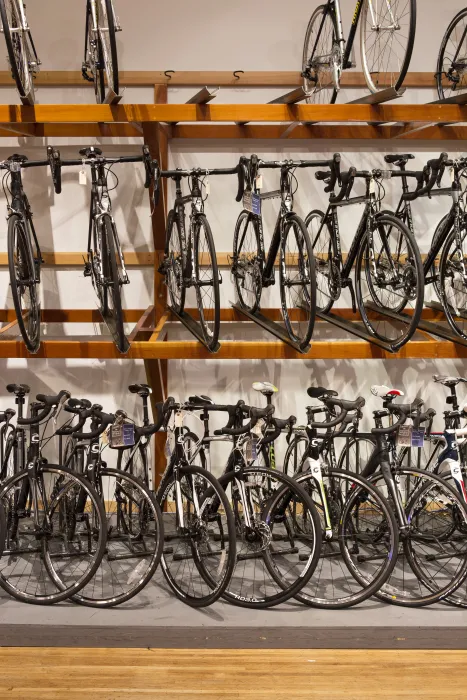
(258, 428)
(259, 182)
(418, 437)
(83, 178)
(122, 435)
(404, 436)
(207, 186)
(252, 202)
(372, 186)
(251, 449)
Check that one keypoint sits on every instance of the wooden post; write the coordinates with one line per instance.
(156, 138)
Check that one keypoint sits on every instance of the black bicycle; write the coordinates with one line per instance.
(190, 259)
(22, 56)
(451, 68)
(386, 44)
(388, 265)
(253, 270)
(100, 65)
(105, 264)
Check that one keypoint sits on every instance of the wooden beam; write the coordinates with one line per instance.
(73, 315)
(59, 259)
(141, 328)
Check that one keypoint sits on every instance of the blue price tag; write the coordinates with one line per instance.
(128, 434)
(418, 437)
(252, 202)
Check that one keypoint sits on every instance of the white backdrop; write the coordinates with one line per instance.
(207, 35)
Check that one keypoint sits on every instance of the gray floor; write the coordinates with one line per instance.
(155, 618)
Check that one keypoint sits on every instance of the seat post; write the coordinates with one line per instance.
(145, 411)
(20, 401)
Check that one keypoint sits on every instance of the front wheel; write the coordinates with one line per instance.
(387, 38)
(297, 281)
(206, 281)
(24, 282)
(389, 276)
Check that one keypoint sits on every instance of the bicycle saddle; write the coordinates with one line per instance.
(448, 381)
(90, 152)
(398, 158)
(316, 392)
(265, 388)
(18, 389)
(140, 389)
(384, 392)
(17, 158)
(200, 399)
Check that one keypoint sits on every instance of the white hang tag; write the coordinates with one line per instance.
(207, 186)
(452, 171)
(258, 428)
(179, 419)
(83, 179)
(259, 182)
(372, 186)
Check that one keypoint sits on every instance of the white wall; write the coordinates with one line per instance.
(208, 35)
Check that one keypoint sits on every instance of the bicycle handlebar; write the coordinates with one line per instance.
(104, 420)
(434, 172)
(48, 403)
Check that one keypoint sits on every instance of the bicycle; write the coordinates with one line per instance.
(253, 270)
(100, 65)
(386, 45)
(452, 59)
(190, 257)
(388, 265)
(105, 264)
(51, 549)
(22, 56)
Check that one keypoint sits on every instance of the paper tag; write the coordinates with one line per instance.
(418, 437)
(372, 186)
(105, 436)
(251, 449)
(122, 435)
(252, 202)
(404, 436)
(83, 178)
(207, 186)
(258, 428)
(259, 182)
(179, 419)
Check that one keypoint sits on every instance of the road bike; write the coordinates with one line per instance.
(254, 270)
(100, 65)
(190, 259)
(387, 261)
(22, 55)
(451, 75)
(387, 34)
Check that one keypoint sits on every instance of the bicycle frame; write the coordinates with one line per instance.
(346, 47)
(197, 208)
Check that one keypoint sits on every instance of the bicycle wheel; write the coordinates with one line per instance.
(135, 538)
(24, 283)
(322, 57)
(297, 281)
(355, 454)
(431, 560)
(17, 47)
(106, 28)
(328, 278)
(387, 34)
(248, 261)
(434, 270)
(207, 282)
(278, 537)
(389, 275)
(109, 288)
(295, 454)
(54, 548)
(453, 281)
(93, 57)
(199, 543)
(174, 264)
(355, 559)
(451, 75)
(2, 528)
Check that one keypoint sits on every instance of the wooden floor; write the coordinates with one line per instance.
(121, 674)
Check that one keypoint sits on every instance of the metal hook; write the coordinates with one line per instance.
(237, 77)
(166, 73)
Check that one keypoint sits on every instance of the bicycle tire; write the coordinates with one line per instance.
(248, 261)
(328, 91)
(174, 263)
(207, 277)
(95, 54)
(109, 52)
(398, 76)
(408, 290)
(209, 588)
(441, 71)
(292, 459)
(328, 281)
(363, 447)
(25, 84)
(452, 269)
(20, 249)
(337, 585)
(110, 293)
(305, 280)
(129, 549)
(434, 270)
(253, 590)
(43, 567)
(2, 528)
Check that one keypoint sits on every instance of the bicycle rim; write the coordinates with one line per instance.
(328, 280)
(175, 265)
(294, 456)
(248, 262)
(387, 38)
(451, 77)
(356, 454)
(206, 282)
(24, 287)
(320, 52)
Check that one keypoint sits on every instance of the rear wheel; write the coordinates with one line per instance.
(453, 281)
(297, 281)
(248, 261)
(322, 59)
(295, 454)
(17, 46)
(207, 282)
(106, 25)
(94, 58)
(23, 281)
(175, 264)
(328, 279)
(451, 70)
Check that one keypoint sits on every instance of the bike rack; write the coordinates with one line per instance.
(203, 96)
(272, 327)
(437, 329)
(112, 98)
(352, 328)
(453, 100)
(194, 327)
(379, 97)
